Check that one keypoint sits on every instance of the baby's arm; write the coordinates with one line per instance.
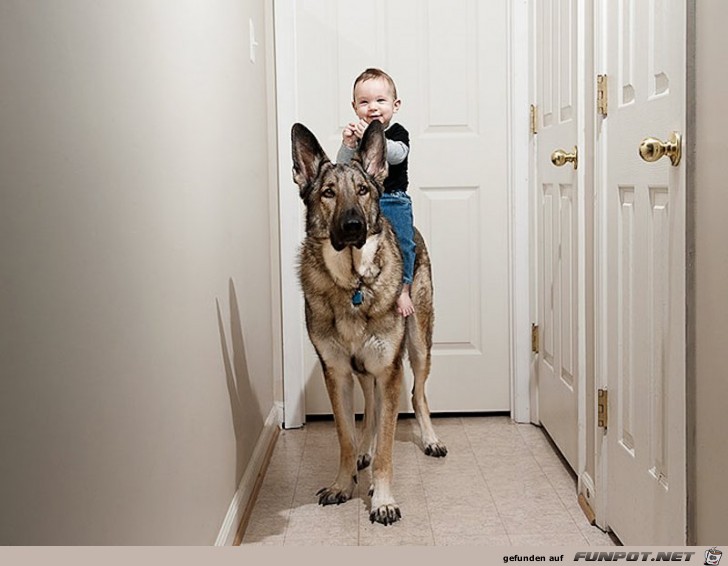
(397, 152)
(345, 154)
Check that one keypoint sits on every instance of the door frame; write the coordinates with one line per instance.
(519, 181)
(291, 222)
(588, 484)
(600, 283)
(290, 218)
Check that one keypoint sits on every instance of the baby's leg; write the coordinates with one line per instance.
(397, 208)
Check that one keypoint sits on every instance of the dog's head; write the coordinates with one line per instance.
(342, 201)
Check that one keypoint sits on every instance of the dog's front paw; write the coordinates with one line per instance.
(385, 514)
(333, 495)
(436, 449)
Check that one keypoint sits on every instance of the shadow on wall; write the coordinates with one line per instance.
(244, 406)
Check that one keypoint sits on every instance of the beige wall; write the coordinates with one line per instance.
(710, 382)
(137, 343)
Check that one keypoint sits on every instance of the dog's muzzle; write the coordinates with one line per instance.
(350, 230)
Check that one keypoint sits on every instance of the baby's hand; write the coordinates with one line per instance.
(353, 133)
(349, 137)
(360, 127)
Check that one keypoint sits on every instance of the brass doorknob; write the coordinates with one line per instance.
(560, 158)
(652, 149)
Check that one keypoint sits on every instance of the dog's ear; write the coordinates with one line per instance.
(373, 151)
(308, 157)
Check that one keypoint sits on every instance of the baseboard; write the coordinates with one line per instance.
(246, 489)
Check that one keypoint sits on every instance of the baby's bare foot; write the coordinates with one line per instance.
(405, 307)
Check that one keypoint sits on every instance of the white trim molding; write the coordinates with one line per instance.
(518, 173)
(291, 218)
(242, 496)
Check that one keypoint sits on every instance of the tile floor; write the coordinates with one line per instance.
(500, 484)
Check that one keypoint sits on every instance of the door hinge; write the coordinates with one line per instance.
(534, 338)
(602, 105)
(602, 408)
(534, 119)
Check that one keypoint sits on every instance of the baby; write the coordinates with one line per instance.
(375, 98)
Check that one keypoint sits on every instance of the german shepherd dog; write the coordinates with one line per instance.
(351, 274)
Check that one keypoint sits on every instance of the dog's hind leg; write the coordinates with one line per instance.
(420, 360)
(340, 386)
(369, 434)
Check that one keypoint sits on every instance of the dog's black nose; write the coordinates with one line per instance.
(350, 229)
(352, 226)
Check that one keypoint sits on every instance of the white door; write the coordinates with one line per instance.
(449, 60)
(644, 273)
(558, 204)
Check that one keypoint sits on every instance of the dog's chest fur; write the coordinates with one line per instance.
(330, 280)
(352, 265)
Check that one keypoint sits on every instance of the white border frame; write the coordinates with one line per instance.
(292, 228)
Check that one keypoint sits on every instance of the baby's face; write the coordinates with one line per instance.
(374, 100)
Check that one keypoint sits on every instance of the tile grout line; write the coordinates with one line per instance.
(487, 485)
(534, 451)
(289, 505)
(422, 486)
(548, 478)
(298, 481)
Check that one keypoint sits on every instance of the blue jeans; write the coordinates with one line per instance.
(397, 208)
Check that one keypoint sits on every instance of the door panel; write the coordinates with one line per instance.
(450, 63)
(558, 209)
(645, 274)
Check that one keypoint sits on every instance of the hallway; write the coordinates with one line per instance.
(501, 484)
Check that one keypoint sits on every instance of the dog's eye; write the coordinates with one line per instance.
(328, 192)
(363, 189)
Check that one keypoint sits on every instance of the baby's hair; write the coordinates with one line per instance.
(373, 73)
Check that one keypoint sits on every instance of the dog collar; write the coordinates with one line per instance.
(358, 297)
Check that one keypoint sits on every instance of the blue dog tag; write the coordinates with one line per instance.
(357, 298)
